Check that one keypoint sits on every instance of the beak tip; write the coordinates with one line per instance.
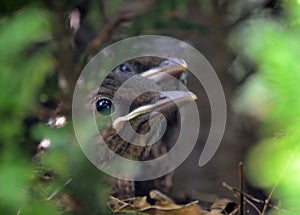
(193, 96)
(179, 61)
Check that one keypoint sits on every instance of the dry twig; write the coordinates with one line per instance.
(107, 30)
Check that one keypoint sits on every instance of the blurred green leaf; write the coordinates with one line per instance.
(22, 74)
(14, 175)
(274, 46)
(20, 31)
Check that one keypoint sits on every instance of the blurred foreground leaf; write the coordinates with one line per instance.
(22, 74)
(274, 46)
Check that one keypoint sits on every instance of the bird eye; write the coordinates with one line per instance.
(125, 68)
(104, 106)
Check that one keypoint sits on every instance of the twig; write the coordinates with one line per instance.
(240, 167)
(107, 30)
(250, 197)
(253, 205)
(236, 191)
(266, 202)
(59, 189)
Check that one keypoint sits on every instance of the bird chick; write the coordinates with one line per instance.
(143, 115)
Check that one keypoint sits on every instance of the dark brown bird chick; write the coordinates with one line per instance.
(140, 118)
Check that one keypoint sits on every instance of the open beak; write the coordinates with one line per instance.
(170, 67)
(168, 101)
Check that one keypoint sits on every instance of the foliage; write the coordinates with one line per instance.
(22, 76)
(274, 46)
(61, 179)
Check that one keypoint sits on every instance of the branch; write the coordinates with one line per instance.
(107, 31)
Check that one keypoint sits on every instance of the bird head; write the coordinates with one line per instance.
(122, 87)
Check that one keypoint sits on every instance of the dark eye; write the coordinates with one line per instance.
(104, 106)
(125, 68)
